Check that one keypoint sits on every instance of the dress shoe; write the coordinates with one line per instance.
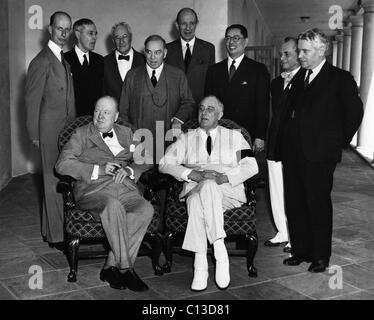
(133, 282)
(200, 279)
(269, 243)
(318, 266)
(222, 273)
(113, 277)
(295, 260)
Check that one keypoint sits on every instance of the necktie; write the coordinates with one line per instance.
(122, 57)
(287, 76)
(187, 58)
(153, 78)
(209, 144)
(63, 59)
(232, 70)
(85, 61)
(108, 134)
(306, 81)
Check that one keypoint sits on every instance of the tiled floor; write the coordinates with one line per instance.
(351, 273)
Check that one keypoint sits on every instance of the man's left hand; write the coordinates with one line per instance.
(258, 145)
(177, 128)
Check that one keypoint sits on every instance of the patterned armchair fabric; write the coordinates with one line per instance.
(238, 222)
(80, 224)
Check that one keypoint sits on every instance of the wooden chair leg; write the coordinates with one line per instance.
(252, 241)
(168, 251)
(156, 252)
(72, 253)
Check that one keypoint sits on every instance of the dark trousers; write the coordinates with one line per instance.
(307, 192)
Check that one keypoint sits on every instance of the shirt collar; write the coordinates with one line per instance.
(212, 133)
(81, 54)
(158, 70)
(238, 60)
(317, 69)
(56, 49)
(130, 54)
(191, 43)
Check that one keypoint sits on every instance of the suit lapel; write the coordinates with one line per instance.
(179, 57)
(114, 66)
(95, 137)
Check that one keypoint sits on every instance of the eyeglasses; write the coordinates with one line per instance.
(124, 38)
(234, 38)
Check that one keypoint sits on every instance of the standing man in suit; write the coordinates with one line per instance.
(87, 67)
(324, 111)
(156, 92)
(49, 100)
(207, 160)
(190, 54)
(100, 156)
(280, 88)
(242, 84)
(120, 61)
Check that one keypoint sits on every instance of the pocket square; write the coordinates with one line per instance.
(244, 83)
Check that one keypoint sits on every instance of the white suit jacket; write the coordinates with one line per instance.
(189, 152)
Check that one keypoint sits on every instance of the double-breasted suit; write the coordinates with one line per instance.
(112, 85)
(203, 56)
(320, 121)
(88, 81)
(206, 201)
(124, 213)
(49, 100)
(245, 97)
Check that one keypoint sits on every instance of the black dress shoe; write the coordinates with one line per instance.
(113, 277)
(268, 243)
(295, 260)
(133, 282)
(318, 266)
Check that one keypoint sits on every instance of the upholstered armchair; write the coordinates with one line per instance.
(81, 228)
(239, 223)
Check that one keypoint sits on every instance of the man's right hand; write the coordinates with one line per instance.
(196, 176)
(109, 169)
(36, 143)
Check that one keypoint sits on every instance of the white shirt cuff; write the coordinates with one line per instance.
(95, 172)
(185, 174)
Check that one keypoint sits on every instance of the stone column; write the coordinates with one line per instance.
(347, 47)
(356, 46)
(339, 39)
(366, 132)
(334, 46)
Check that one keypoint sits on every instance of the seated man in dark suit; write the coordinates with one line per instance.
(120, 61)
(101, 157)
(87, 67)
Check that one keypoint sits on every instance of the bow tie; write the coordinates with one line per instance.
(122, 57)
(108, 134)
(286, 75)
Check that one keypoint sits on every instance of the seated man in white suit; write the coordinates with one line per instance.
(211, 160)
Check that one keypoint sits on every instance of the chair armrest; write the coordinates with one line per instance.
(249, 188)
(65, 186)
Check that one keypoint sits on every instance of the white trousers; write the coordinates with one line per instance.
(205, 205)
(275, 169)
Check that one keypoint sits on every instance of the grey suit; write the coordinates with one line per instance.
(124, 213)
(49, 100)
(203, 56)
